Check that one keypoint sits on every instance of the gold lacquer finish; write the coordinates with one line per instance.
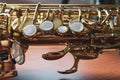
(85, 29)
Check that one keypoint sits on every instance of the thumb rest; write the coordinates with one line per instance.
(85, 29)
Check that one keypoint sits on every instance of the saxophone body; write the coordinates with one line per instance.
(86, 30)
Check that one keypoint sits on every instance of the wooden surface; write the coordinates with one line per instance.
(106, 67)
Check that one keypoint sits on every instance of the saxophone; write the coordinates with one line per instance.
(86, 30)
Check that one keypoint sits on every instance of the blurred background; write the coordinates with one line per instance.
(60, 1)
(49, 1)
(106, 67)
